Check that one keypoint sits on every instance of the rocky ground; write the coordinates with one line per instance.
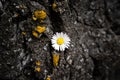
(92, 25)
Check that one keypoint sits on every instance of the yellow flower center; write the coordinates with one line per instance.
(60, 41)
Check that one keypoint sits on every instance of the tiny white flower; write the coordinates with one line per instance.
(60, 41)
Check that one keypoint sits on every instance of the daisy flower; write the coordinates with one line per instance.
(60, 41)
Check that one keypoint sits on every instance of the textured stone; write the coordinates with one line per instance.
(93, 27)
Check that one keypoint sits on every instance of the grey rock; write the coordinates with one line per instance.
(93, 27)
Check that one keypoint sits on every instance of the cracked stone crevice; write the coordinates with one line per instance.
(56, 20)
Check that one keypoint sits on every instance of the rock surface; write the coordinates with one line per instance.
(92, 25)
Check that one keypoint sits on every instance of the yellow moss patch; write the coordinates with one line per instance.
(54, 5)
(48, 78)
(37, 69)
(40, 14)
(34, 18)
(41, 21)
(40, 29)
(35, 34)
(24, 33)
(56, 59)
(38, 63)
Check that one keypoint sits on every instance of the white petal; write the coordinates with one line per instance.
(56, 47)
(53, 41)
(62, 35)
(62, 47)
(57, 34)
(54, 37)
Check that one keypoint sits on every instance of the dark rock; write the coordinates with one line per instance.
(93, 27)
